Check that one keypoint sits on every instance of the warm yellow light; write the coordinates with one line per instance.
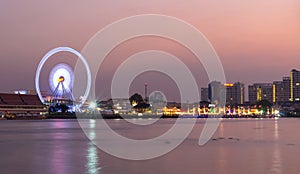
(61, 79)
(259, 94)
(134, 103)
(228, 84)
(274, 93)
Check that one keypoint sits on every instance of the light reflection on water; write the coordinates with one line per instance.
(92, 154)
(92, 160)
(60, 155)
(276, 166)
(221, 151)
(239, 146)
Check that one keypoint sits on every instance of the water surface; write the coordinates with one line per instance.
(238, 146)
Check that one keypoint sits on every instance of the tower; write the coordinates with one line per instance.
(295, 85)
(146, 92)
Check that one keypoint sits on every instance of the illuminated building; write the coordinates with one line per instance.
(21, 105)
(204, 94)
(295, 85)
(281, 90)
(172, 109)
(235, 93)
(260, 91)
(216, 93)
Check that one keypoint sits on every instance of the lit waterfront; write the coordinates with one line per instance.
(238, 146)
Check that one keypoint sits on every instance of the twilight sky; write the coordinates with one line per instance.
(256, 40)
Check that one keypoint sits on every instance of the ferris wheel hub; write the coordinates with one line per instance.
(61, 79)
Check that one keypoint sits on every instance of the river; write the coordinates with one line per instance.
(238, 146)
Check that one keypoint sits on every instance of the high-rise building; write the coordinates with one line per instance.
(217, 93)
(294, 85)
(252, 93)
(204, 94)
(260, 91)
(235, 93)
(281, 90)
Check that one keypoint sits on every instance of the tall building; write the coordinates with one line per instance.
(217, 93)
(235, 93)
(281, 90)
(295, 85)
(204, 94)
(260, 91)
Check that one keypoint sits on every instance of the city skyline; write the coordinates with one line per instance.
(283, 91)
(256, 41)
(277, 91)
(161, 86)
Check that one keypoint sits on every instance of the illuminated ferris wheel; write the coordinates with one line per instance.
(61, 82)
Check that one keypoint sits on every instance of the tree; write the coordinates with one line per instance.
(138, 103)
(264, 105)
(61, 107)
(52, 109)
(204, 104)
(136, 99)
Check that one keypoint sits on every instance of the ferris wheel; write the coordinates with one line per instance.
(61, 81)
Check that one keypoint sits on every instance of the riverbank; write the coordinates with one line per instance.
(117, 116)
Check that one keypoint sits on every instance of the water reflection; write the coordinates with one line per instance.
(60, 146)
(221, 152)
(92, 166)
(221, 130)
(259, 127)
(276, 164)
(222, 161)
(61, 160)
(276, 130)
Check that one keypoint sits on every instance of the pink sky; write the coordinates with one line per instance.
(257, 40)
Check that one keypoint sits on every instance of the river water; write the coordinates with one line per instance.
(238, 146)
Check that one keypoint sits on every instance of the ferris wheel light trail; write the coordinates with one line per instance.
(61, 82)
(61, 73)
(47, 56)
